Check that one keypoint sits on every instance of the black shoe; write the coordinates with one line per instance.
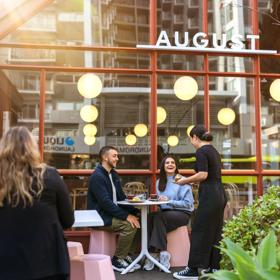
(208, 270)
(129, 260)
(187, 273)
(119, 264)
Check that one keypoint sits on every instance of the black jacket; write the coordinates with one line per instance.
(32, 243)
(100, 196)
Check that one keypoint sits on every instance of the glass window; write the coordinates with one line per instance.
(270, 122)
(19, 100)
(122, 104)
(230, 18)
(232, 120)
(240, 190)
(78, 186)
(72, 22)
(176, 115)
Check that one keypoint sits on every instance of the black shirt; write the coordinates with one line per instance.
(209, 160)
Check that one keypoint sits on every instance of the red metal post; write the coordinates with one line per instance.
(42, 112)
(206, 68)
(153, 97)
(255, 24)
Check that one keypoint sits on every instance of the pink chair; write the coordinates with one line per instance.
(89, 266)
(75, 249)
(102, 242)
(178, 245)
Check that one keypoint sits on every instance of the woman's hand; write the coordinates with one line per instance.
(163, 198)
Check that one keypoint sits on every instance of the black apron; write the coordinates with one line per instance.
(207, 226)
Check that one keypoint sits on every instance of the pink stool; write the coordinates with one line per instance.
(178, 245)
(75, 249)
(91, 267)
(102, 242)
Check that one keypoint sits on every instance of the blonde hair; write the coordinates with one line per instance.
(20, 166)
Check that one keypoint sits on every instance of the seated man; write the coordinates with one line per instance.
(103, 193)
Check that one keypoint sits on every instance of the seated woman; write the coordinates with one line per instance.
(174, 214)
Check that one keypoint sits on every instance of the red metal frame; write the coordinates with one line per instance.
(153, 71)
(42, 112)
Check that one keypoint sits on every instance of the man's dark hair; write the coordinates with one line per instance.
(104, 150)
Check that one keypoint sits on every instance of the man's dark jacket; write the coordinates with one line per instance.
(100, 196)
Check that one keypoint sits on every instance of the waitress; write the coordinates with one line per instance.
(208, 223)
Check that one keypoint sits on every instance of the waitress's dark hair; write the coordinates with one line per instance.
(202, 133)
(162, 174)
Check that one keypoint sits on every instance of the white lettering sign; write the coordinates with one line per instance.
(202, 42)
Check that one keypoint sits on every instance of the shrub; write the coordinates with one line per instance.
(265, 265)
(252, 224)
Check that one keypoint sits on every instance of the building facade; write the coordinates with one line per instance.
(43, 57)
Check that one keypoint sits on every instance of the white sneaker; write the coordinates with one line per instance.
(149, 265)
(129, 260)
(164, 259)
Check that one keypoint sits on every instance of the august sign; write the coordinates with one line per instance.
(201, 42)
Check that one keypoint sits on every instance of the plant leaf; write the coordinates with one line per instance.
(271, 275)
(246, 272)
(223, 275)
(234, 251)
(266, 256)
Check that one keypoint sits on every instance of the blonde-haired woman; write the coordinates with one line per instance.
(34, 210)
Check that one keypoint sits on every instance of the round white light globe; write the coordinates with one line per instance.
(172, 140)
(89, 113)
(185, 88)
(130, 139)
(90, 129)
(140, 130)
(89, 85)
(89, 140)
(189, 129)
(161, 115)
(274, 90)
(226, 116)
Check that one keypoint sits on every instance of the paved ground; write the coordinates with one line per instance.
(147, 275)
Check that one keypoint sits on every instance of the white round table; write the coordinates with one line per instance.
(143, 206)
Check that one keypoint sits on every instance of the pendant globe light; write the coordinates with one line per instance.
(90, 129)
(89, 113)
(89, 140)
(161, 115)
(274, 90)
(140, 130)
(130, 139)
(185, 88)
(189, 129)
(172, 140)
(89, 85)
(226, 116)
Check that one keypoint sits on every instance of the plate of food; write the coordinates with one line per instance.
(135, 200)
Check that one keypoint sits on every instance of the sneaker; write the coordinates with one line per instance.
(187, 273)
(149, 265)
(119, 264)
(208, 270)
(164, 259)
(129, 260)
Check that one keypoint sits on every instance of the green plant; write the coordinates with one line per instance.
(252, 224)
(264, 265)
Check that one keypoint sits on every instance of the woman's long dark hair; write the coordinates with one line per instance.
(162, 174)
(202, 133)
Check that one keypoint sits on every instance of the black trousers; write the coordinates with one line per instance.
(207, 226)
(56, 277)
(162, 222)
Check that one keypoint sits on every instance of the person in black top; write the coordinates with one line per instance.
(103, 194)
(208, 222)
(34, 209)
